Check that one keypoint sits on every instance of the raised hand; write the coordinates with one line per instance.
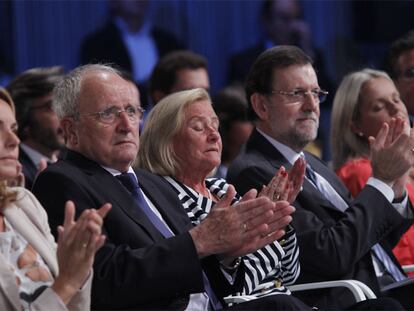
(78, 242)
(286, 186)
(392, 153)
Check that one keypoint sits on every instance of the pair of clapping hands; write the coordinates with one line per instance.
(256, 221)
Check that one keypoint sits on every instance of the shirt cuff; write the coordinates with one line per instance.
(382, 187)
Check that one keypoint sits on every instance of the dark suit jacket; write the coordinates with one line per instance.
(106, 45)
(333, 244)
(137, 268)
(29, 169)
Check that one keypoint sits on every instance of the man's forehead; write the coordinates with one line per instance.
(295, 74)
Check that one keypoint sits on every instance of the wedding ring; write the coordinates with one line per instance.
(276, 197)
(244, 227)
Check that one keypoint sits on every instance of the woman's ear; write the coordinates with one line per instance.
(259, 106)
(356, 129)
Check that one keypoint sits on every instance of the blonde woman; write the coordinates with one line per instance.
(363, 102)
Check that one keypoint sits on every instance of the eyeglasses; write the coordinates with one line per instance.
(108, 116)
(300, 95)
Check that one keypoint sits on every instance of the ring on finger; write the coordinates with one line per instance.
(276, 196)
(244, 227)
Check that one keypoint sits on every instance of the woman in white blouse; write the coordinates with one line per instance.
(35, 273)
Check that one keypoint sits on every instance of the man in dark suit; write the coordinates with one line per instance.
(39, 130)
(152, 258)
(129, 41)
(336, 234)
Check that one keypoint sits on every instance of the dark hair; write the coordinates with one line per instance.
(398, 47)
(164, 74)
(230, 106)
(27, 87)
(260, 77)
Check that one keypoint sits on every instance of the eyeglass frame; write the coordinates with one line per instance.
(117, 114)
(301, 94)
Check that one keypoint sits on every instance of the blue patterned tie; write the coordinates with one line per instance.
(377, 249)
(131, 183)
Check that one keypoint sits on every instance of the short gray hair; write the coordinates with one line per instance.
(156, 152)
(66, 91)
(345, 143)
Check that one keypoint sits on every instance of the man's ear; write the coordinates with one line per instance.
(259, 105)
(71, 135)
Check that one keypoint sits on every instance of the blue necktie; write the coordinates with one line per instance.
(131, 183)
(378, 250)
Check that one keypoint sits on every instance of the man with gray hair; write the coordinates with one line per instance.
(39, 130)
(153, 257)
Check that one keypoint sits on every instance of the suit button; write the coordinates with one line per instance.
(282, 242)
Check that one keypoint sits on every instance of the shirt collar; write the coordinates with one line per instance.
(34, 155)
(286, 151)
(115, 172)
(142, 32)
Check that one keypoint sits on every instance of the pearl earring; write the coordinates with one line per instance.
(360, 134)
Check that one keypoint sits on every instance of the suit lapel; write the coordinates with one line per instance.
(111, 190)
(174, 216)
(275, 159)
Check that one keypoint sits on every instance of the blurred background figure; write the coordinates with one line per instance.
(364, 101)
(230, 105)
(400, 66)
(178, 71)
(39, 130)
(129, 41)
(283, 24)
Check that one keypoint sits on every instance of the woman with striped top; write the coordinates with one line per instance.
(181, 142)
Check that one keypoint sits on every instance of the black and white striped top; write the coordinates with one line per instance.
(268, 269)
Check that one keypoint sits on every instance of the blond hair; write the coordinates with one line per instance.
(6, 195)
(345, 143)
(156, 152)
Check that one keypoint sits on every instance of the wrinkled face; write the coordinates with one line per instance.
(292, 121)
(9, 152)
(405, 81)
(44, 127)
(187, 79)
(113, 145)
(198, 144)
(379, 101)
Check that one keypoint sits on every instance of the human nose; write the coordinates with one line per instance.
(310, 101)
(12, 140)
(124, 120)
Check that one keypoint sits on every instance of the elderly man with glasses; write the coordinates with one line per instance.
(336, 234)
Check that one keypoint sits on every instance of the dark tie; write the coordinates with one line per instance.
(377, 249)
(131, 183)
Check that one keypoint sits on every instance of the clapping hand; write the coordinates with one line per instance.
(78, 242)
(285, 186)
